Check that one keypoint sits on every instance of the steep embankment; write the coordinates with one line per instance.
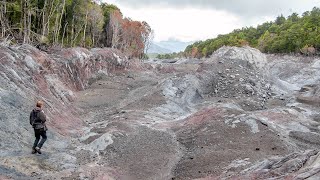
(239, 114)
(28, 75)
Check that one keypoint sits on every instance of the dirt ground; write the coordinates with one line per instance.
(239, 114)
(151, 142)
(194, 120)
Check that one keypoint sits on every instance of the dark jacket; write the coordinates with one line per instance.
(38, 119)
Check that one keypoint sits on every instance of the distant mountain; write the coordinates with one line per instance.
(173, 45)
(155, 49)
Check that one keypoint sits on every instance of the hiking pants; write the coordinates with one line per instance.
(38, 133)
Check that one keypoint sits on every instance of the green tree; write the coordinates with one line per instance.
(280, 36)
(280, 20)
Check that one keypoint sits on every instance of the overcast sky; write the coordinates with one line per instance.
(191, 20)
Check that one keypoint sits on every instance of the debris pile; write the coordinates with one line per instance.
(236, 73)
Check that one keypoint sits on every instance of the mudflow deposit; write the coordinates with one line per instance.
(240, 114)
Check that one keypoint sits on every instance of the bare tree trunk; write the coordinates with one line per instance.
(93, 40)
(67, 38)
(72, 31)
(63, 34)
(76, 36)
(148, 41)
(25, 30)
(21, 19)
(44, 10)
(59, 25)
(38, 19)
(29, 21)
(92, 36)
(85, 29)
(115, 26)
(55, 31)
(46, 19)
(3, 18)
(26, 20)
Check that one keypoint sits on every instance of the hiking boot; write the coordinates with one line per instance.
(33, 151)
(38, 150)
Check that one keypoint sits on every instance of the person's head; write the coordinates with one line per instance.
(39, 104)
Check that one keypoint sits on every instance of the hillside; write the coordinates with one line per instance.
(238, 114)
(173, 45)
(155, 49)
(292, 34)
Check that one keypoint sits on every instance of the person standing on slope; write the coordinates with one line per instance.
(37, 120)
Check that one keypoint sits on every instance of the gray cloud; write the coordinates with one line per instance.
(243, 8)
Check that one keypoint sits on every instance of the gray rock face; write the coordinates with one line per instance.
(237, 115)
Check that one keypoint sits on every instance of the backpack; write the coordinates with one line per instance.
(35, 120)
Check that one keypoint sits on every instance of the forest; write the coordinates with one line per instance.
(70, 23)
(292, 34)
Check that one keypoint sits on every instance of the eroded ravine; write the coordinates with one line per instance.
(206, 122)
(161, 127)
(239, 114)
